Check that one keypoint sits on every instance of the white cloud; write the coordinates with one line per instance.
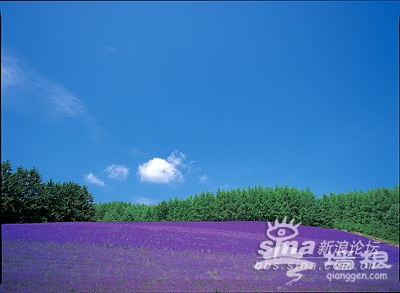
(91, 178)
(175, 160)
(165, 171)
(23, 88)
(144, 200)
(203, 178)
(119, 172)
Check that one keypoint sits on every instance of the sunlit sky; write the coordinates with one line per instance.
(145, 101)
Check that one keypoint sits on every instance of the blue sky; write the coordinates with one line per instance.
(144, 101)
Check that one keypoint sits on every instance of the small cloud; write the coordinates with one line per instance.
(203, 178)
(159, 171)
(91, 178)
(165, 171)
(119, 172)
(144, 200)
(137, 153)
(111, 49)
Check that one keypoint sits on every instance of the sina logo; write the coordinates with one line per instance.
(280, 233)
(285, 252)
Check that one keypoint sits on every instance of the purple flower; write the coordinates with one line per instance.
(176, 257)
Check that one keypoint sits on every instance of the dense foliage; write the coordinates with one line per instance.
(374, 213)
(26, 199)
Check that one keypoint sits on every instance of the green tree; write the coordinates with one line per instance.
(324, 211)
(23, 199)
(306, 208)
(70, 202)
(128, 213)
(37, 207)
(110, 216)
(161, 211)
(191, 210)
(11, 204)
(149, 214)
(172, 206)
(219, 205)
(26, 199)
(392, 217)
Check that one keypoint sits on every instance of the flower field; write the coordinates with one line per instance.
(184, 257)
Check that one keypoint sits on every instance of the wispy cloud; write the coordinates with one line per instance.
(144, 200)
(24, 88)
(137, 153)
(119, 172)
(92, 179)
(163, 171)
(11, 72)
(110, 49)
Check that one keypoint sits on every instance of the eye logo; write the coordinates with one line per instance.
(285, 252)
(281, 231)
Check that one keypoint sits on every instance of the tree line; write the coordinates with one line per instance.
(26, 199)
(373, 213)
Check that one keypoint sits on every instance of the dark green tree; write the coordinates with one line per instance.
(11, 204)
(161, 211)
(23, 199)
(392, 217)
(69, 202)
(26, 199)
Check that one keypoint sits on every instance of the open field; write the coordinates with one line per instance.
(183, 257)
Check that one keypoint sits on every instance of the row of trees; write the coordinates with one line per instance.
(26, 199)
(374, 213)
(253, 204)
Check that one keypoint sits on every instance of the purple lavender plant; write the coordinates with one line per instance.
(177, 257)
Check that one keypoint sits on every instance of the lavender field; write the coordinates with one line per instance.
(184, 257)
